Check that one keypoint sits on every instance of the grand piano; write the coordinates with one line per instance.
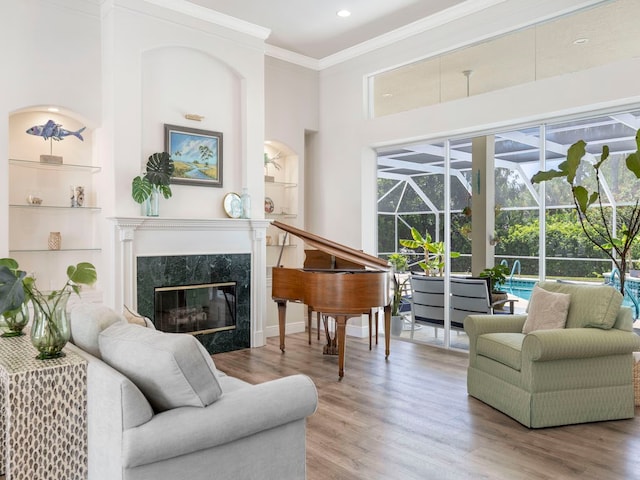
(335, 280)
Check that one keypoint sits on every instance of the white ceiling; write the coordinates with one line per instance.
(312, 28)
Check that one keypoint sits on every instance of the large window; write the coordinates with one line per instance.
(587, 38)
(537, 233)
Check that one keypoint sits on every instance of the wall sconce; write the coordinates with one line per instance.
(493, 240)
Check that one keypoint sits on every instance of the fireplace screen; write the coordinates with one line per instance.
(201, 308)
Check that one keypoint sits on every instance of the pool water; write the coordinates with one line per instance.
(522, 287)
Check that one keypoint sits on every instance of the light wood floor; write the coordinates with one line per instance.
(410, 418)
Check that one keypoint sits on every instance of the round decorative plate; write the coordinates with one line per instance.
(269, 207)
(232, 205)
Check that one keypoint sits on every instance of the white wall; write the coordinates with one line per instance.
(124, 68)
(344, 197)
(50, 57)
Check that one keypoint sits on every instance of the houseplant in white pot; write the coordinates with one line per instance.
(399, 262)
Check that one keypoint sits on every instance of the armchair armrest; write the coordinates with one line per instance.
(235, 415)
(476, 325)
(545, 345)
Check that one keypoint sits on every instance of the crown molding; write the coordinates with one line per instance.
(428, 23)
(211, 16)
(291, 57)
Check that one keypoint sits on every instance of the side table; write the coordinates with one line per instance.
(43, 413)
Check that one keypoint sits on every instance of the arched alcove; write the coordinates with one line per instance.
(44, 175)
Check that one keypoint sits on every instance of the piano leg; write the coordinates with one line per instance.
(331, 348)
(341, 334)
(282, 316)
(387, 330)
(309, 316)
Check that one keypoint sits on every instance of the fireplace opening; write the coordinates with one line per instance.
(196, 309)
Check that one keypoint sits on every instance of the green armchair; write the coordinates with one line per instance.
(561, 376)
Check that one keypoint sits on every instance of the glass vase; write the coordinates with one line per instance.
(14, 321)
(152, 204)
(50, 331)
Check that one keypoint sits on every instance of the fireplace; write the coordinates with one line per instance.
(206, 295)
(196, 309)
(155, 252)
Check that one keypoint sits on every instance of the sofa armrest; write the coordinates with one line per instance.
(235, 415)
(546, 345)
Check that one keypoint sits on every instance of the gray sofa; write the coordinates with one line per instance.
(246, 432)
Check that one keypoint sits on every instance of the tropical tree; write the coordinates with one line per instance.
(615, 240)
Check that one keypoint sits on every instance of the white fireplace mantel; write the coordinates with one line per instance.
(145, 236)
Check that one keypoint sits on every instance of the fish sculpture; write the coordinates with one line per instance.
(54, 131)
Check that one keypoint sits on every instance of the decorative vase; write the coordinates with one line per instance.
(152, 204)
(15, 321)
(50, 331)
(55, 241)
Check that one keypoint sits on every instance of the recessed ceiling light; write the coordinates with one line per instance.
(343, 13)
(387, 95)
(580, 41)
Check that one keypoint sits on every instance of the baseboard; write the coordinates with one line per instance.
(297, 327)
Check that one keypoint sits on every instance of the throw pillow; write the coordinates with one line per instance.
(86, 321)
(591, 305)
(134, 317)
(171, 369)
(547, 310)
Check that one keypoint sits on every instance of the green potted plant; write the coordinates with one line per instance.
(497, 278)
(50, 329)
(399, 262)
(433, 263)
(155, 180)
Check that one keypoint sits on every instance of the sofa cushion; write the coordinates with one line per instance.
(86, 321)
(171, 369)
(591, 305)
(502, 347)
(547, 310)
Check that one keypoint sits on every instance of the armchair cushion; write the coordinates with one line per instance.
(591, 305)
(505, 348)
(547, 310)
(171, 369)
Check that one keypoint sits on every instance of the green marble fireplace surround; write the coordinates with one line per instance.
(181, 270)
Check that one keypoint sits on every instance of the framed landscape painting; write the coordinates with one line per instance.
(197, 155)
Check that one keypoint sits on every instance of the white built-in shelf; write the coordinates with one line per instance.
(281, 215)
(281, 184)
(54, 207)
(54, 166)
(46, 250)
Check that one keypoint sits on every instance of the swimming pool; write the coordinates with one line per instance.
(522, 287)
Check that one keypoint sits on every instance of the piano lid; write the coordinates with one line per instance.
(336, 249)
